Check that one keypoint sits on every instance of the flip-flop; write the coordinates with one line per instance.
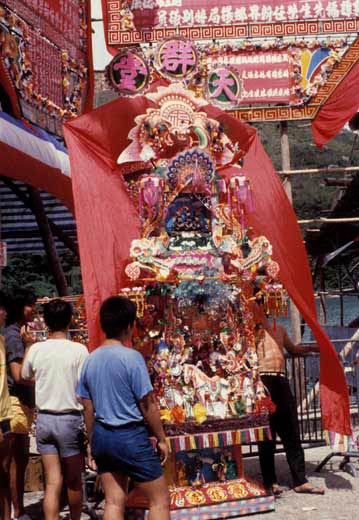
(310, 491)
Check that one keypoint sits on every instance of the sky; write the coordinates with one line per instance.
(100, 55)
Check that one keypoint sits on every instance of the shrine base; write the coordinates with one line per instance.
(229, 499)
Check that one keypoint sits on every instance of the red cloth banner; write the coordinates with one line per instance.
(341, 106)
(107, 222)
(45, 47)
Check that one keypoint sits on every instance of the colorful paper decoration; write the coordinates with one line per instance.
(224, 87)
(128, 73)
(176, 58)
(44, 49)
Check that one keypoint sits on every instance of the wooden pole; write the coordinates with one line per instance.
(285, 149)
(323, 220)
(289, 173)
(48, 240)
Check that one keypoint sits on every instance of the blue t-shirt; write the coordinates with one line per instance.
(115, 378)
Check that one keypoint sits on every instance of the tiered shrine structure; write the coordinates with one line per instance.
(196, 273)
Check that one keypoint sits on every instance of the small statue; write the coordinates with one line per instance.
(181, 473)
(220, 468)
(231, 467)
(198, 471)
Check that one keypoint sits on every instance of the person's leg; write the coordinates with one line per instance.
(5, 497)
(156, 492)
(72, 469)
(115, 488)
(266, 449)
(18, 464)
(288, 431)
(53, 486)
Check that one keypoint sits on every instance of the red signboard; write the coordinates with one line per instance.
(135, 21)
(265, 76)
(45, 46)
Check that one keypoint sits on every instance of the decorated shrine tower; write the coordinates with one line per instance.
(196, 273)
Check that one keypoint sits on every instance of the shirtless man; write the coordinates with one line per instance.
(271, 346)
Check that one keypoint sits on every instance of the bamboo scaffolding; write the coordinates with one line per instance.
(324, 220)
(327, 169)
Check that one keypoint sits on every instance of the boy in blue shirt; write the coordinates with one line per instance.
(120, 410)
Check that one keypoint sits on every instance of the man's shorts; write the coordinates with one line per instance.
(59, 434)
(22, 417)
(126, 449)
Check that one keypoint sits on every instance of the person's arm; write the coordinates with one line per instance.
(142, 389)
(17, 375)
(150, 412)
(15, 354)
(297, 350)
(89, 416)
(27, 371)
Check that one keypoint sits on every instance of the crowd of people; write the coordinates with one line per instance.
(105, 397)
(109, 390)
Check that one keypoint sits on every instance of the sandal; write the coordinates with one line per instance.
(309, 489)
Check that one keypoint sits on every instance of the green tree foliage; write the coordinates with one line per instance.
(32, 270)
(310, 196)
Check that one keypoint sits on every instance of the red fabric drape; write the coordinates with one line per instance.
(341, 106)
(275, 218)
(107, 222)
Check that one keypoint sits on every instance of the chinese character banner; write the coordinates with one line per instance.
(124, 16)
(231, 76)
(44, 45)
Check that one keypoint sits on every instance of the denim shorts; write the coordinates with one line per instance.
(60, 434)
(126, 449)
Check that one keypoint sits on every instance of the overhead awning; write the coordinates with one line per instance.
(31, 155)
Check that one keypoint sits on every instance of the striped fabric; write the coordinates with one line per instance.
(218, 439)
(18, 224)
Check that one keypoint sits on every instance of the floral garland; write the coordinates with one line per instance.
(14, 50)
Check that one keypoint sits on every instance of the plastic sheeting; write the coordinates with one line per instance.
(31, 155)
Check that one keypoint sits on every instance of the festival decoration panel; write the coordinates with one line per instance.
(44, 50)
(141, 21)
(238, 76)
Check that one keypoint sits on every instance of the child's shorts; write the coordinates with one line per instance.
(126, 449)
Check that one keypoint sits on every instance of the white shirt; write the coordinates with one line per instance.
(56, 366)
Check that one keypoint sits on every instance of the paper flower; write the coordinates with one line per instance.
(199, 413)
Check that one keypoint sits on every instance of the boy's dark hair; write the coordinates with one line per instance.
(16, 302)
(3, 300)
(57, 314)
(116, 314)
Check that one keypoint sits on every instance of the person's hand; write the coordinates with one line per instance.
(90, 460)
(27, 337)
(163, 451)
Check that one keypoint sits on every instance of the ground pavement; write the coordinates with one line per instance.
(341, 501)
